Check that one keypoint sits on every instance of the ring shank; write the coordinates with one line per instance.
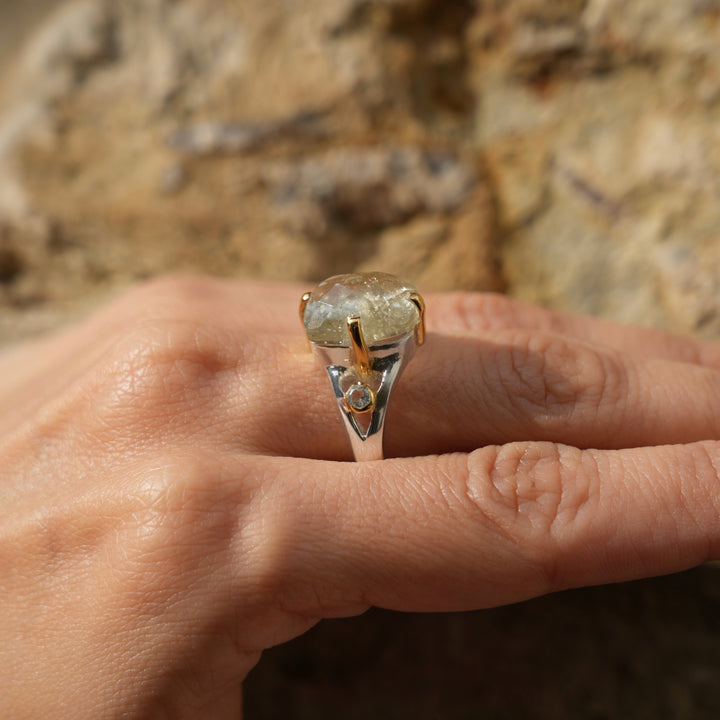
(365, 430)
(369, 449)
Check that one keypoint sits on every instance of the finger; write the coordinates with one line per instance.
(498, 526)
(477, 313)
(520, 385)
(459, 394)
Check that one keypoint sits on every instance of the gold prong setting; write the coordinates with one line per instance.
(304, 300)
(417, 300)
(359, 347)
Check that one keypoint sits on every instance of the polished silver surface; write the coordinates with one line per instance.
(365, 428)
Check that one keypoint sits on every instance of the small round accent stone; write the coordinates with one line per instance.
(381, 301)
(359, 397)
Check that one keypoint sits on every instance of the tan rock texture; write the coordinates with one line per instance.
(599, 120)
(566, 152)
(263, 138)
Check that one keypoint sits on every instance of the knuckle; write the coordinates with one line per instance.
(169, 299)
(535, 494)
(551, 377)
(479, 312)
(519, 369)
(168, 368)
(162, 364)
(526, 485)
(178, 531)
(188, 505)
(173, 294)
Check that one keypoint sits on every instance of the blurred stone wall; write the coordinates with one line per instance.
(565, 152)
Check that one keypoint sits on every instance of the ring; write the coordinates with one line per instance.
(363, 327)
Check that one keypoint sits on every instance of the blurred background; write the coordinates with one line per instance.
(563, 151)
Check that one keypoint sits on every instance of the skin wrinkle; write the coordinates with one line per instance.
(481, 490)
(513, 499)
(524, 377)
(555, 376)
(578, 377)
(710, 466)
(455, 493)
(579, 499)
(540, 497)
(643, 550)
(673, 498)
(497, 512)
(626, 396)
(522, 373)
(604, 385)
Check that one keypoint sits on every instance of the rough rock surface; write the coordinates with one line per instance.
(567, 151)
(599, 120)
(564, 151)
(284, 141)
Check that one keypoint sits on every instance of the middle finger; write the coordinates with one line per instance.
(460, 393)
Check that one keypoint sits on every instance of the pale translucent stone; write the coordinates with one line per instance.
(381, 301)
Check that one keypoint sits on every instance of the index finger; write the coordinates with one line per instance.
(499, 525)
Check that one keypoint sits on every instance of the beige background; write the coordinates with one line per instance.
(563, 151)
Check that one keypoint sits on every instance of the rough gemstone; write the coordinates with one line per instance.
(359, 397)
(381, 301)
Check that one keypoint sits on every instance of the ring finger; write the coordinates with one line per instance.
(461, 393)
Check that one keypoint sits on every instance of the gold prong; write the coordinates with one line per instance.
(362, 354)
(304, 300)
(419, 303)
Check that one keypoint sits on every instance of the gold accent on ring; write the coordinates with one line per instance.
(419, 303)
(304, 300)
(362, 354)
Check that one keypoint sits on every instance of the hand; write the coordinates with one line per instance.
(171, 501)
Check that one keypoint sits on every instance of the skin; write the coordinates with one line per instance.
(174, 497)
